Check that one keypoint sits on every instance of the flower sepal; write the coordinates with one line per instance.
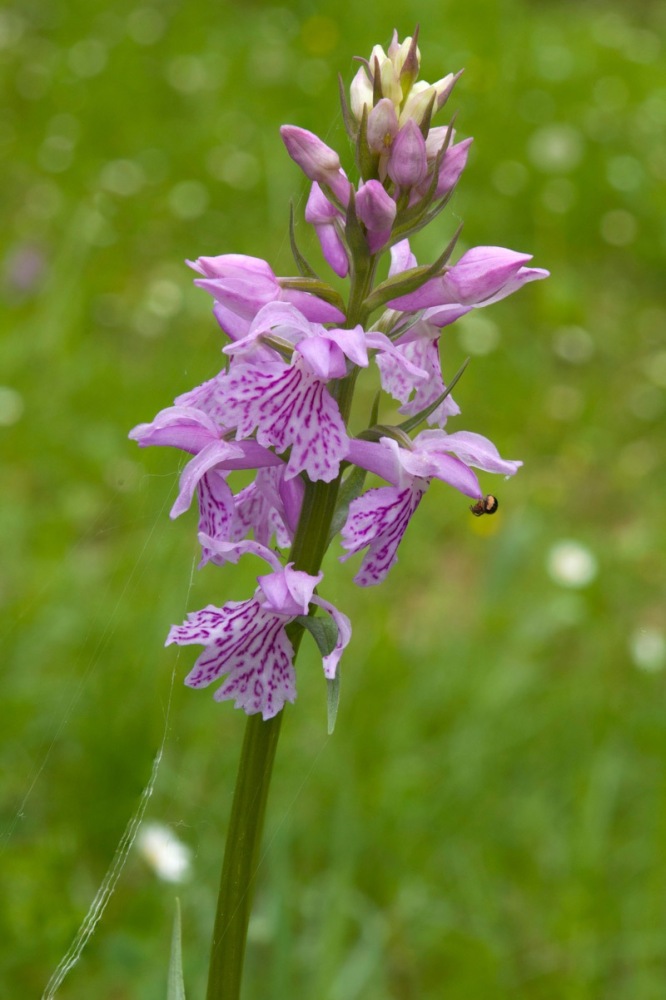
(313, 286)
(413, 278)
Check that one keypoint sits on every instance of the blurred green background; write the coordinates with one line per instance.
(489, 818)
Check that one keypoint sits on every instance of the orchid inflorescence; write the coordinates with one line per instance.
(281, 406)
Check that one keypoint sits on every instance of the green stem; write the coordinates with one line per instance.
(248, 809)
(241, 856)
(254, 776)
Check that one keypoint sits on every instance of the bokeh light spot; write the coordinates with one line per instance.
(559, 195)
(164, 297)
(573, 344)
(564, 402)
(87, 58)
(11, 28)
(56, 153)
(554, 62)
(11, 406)
(122, 177)
(571, 564)
(43, 200)
(510, 177)
(168, 856)
(234, 167)
(618, 227)
(655, 368)
(645, 401)
(189, 199)
(145, 25)
(625, 173)
(556, 148)
(647, 647)
(637, 459)
(187, 74)
(478, 335)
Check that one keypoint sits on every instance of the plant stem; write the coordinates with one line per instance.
(254, 776)
(240, 857)
(255, 768)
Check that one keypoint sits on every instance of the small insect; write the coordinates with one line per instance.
(488, 505)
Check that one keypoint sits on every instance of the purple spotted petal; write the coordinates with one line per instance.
(208, 398)
(378, 520)
(223, 552)
(248, 644)
(472, 449)
(217, 514)
(289, 407)
(382, 343)
(423, 352)
(200, 627)
(213, 454)
(184, 427)
(260, 508)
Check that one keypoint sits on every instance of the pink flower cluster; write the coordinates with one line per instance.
(295, 348)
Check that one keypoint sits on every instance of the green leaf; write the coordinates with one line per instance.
(332, 700)
(347, 117)
(176, 984)
(302, 264)
(367, 162)
(323, 630)
(354, 233)
(408, 425)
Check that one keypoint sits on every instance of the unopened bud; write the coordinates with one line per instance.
(408, 164)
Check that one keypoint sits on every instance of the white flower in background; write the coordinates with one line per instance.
(571, 564)
(647, 647)
(168, 856)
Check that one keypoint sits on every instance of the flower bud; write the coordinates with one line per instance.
(320, 213)
(421, 95)
(452, 165)
(390, 83)
(382, 126)
(244, 284)
(408, 164)
(317, 160)
(407, 61)
(376, 210)
(360, 93)
(482, 275)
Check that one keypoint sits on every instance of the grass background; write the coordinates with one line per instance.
(489, 818)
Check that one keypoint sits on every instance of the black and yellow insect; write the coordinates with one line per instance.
(487, 505)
